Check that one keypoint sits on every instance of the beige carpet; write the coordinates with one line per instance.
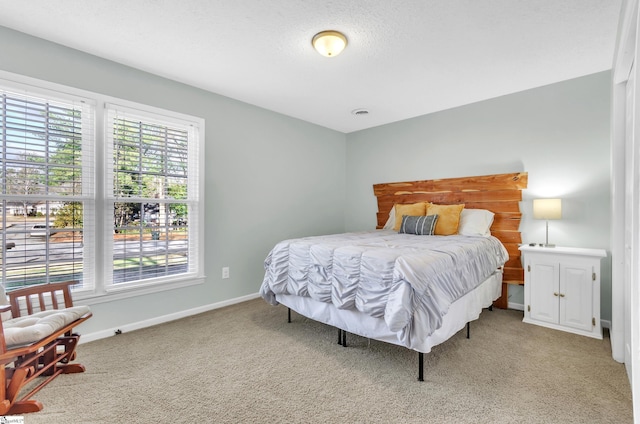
(244, 363)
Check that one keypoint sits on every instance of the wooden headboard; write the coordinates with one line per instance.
(499, 193)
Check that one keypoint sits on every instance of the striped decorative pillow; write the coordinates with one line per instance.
(420, 225)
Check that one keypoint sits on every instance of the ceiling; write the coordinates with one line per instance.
(405, 58)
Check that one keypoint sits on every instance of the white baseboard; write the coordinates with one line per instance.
(103, 334)
(516, 306)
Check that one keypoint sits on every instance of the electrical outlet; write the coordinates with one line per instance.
(225, 272)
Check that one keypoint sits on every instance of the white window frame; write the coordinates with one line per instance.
(100, 251)
(161, 117)
(87, 195)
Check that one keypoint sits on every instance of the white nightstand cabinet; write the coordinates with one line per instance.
(562, 288)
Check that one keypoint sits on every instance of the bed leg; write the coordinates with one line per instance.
(468, 329)
(344, 338)
(289, 315)
(339, 336)
(490, 307)
(420, 366)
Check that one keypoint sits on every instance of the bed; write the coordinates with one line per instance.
(443, 250)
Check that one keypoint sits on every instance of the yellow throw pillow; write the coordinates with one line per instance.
(412, 209)
(448, 218)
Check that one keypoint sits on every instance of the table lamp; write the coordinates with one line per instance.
(547, 209)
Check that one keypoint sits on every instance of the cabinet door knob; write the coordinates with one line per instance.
(561, 294)
(556, 294)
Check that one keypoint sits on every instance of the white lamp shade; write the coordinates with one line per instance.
(547, 208)
(329, 43)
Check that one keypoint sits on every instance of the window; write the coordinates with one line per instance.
(46, 169)
(137, 224)
(151, 194)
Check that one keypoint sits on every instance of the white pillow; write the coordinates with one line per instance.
(4, 300)
(391, 222)
(32, 328)
(475, 222)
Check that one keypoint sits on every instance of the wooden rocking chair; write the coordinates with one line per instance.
(44, 313)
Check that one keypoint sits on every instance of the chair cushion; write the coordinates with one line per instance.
(32, 328)
(4, 300)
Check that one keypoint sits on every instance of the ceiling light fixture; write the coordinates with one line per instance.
(329, 43)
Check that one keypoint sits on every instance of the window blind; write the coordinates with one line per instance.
(47, 188)
(152, 194)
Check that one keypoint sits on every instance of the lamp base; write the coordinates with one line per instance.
(546, 240)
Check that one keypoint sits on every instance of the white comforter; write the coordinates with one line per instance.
(398, 277)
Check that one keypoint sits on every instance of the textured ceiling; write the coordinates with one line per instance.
(405, 58)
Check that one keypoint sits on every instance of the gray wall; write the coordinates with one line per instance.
(559, 134)
(268, 176)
